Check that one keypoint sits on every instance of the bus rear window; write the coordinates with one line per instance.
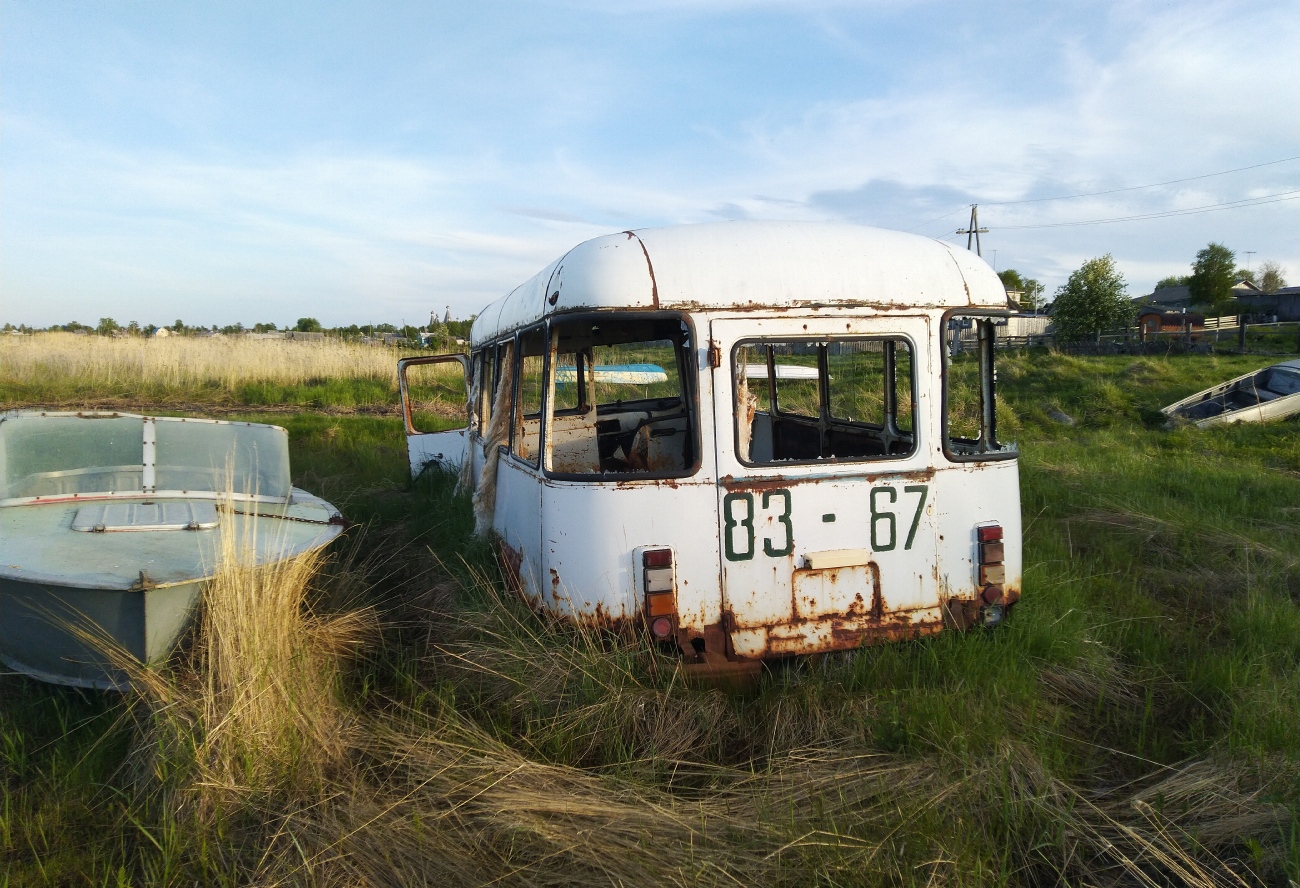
(811, 401)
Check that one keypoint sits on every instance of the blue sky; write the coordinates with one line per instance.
(358, 162)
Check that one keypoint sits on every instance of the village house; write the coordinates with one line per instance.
(1180, 298)
(1154, 320)
(1283, 305)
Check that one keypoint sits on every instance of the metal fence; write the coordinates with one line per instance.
(1217, 334)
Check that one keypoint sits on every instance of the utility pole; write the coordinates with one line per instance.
(1249, 253)
(973, 230)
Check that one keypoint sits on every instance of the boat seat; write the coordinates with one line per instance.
(1282, 381)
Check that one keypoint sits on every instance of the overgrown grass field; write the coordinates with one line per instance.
(1135, 722)
(71, 371)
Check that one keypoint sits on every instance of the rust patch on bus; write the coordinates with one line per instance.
(512, 561)
(732, 483)
(654, 285)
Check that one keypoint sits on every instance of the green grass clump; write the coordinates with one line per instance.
(1135, 722)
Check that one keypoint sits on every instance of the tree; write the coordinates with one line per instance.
(1270, 277)
(1245, 275)
(1031, 291)
(1213, 275)
(1095, 298)
(107, 327)
(1011, 279)
(1033, 298)
(307, 325)
(264, 328)
(1174, 280)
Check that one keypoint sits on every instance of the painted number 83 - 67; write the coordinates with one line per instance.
(742, 511)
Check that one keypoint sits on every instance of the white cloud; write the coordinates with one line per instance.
(364, 229)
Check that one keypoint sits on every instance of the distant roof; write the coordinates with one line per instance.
(738, 265)
(1181, 295)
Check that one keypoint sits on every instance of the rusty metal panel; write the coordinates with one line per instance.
(851, 591)
(868, 523)
(593, 534)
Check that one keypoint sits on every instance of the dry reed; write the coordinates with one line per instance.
(250, 739)
(250, 708)
(184, 362)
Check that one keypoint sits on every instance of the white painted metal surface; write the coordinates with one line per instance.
(749, 265)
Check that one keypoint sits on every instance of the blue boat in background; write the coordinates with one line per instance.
(615, 374)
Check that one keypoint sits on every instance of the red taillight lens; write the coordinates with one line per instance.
(661, 627)
(657, 558)
(989, 532)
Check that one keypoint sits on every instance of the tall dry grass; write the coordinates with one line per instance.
(183, 362)
(249, 712)
(251, 746)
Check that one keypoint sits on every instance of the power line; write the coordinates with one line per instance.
(1187, 211)
(937, 218)
(1007, 203)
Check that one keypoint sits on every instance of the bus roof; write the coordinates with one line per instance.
(748, 265)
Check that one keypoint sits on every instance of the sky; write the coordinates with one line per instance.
(372, 162)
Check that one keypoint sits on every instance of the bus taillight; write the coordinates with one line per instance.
(992, 572)
(660, 592)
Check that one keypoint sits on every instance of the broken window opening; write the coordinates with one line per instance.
(526, 431)
(623, 400)
(824, 400)
(970, 390)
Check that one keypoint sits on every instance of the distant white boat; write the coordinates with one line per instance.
(1271, 393)
(616, 374)
(783, 371)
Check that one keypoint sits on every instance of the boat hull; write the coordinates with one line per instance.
(77, 608)
(84, 637)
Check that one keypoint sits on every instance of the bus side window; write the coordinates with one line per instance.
(527, 426)
(484, 377)
(623, 402)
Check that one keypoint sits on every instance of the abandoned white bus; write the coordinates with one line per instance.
(749, 439)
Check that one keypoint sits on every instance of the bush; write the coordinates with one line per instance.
(1095, 298)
